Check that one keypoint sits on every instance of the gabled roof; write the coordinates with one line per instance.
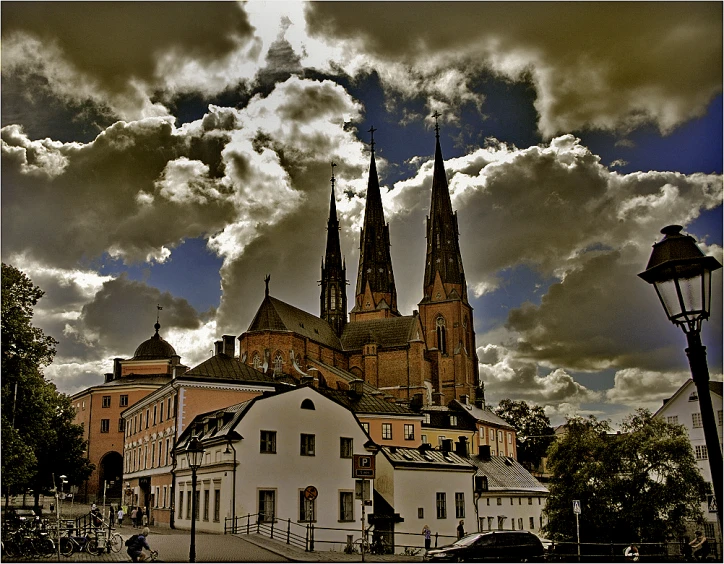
(715, 387)
(224, 367)
(388, 332)
(483, 415)
(370, 401)
(414, 458)
(506, 474)
(276, 315)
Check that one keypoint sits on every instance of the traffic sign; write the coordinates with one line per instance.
(577, 506)
(363, 466)
(310, 493)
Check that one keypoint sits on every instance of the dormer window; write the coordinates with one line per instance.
(308, 404)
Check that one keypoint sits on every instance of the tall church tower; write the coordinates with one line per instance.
(446, 315)
(375, 295)
(333, 299)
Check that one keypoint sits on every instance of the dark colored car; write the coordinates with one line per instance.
(506, 546)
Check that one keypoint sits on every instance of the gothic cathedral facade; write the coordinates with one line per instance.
(426, 358)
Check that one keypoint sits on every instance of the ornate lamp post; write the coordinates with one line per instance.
(194, 457)
(681, 275)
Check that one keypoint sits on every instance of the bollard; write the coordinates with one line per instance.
(289, 526)
(436, 540)
(248, 521)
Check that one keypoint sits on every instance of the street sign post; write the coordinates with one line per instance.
(577, 511)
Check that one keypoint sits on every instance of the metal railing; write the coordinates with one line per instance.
(301, 536)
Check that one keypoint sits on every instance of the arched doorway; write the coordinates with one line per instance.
(110, 472)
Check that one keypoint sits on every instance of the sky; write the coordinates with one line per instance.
(174, 154)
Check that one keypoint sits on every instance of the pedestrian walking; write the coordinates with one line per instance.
(144, 517)
(120, 516)
(111, 516)
(134, 514)
(427, 533)
(461, 529)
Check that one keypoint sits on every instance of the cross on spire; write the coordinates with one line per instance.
(158, 312)
(371, 131)
(333, 164)
(437, 126)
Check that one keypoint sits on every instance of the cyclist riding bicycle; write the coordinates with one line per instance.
(136, 544)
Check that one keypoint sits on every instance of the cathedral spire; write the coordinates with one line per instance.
(443, 246)
(333, 298)
(375, 290)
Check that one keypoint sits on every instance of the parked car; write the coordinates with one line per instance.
(506, 546)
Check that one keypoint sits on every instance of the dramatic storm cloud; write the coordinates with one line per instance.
(174, 154)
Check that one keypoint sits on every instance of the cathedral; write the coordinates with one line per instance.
(425, 358)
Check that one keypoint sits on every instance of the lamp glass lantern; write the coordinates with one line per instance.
(681, 275)
(194, 453)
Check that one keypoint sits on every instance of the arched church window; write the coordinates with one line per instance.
(333, 298)
(467, 334)
(256, 361)
(441, 336)
(278, 362)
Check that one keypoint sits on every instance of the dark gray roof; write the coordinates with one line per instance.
(506, 474)
(715, 387)
(413, 458)
(224, 367)
(372, 400)
(155, 348)
(484, 415)
(276, 315)
(388, 332)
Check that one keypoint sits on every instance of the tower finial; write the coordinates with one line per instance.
(266, 281)
(371, 131)
(158, 314)
(332, 179)
(437, 125)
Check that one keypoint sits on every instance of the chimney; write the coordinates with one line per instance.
(464, 399)
(117, 368)
(229, 345)
(447, 445)
(355, 387)
(461, 447)
(218, 347)
(484, 452)
(109, 376)
(310, 381)
(438, 398)
(416, 403)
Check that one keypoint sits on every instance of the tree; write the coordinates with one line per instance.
(640, 485)
(39, 436)
(532, 428)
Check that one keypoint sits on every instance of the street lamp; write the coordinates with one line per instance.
(681, 275)
(194, 457)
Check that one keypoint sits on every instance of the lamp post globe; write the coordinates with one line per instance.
(681, 275)
(194, 457)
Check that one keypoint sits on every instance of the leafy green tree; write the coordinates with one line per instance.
(39, 437)
(640, 485)
(534, 433)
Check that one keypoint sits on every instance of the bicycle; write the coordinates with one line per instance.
(70, 544)
(110, 542)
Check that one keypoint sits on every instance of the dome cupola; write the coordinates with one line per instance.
(154, 348)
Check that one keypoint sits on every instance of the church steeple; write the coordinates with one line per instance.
(443, 245)
(333, 299)
(375, 294)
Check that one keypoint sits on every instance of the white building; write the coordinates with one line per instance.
(683, 409)
(261, 457)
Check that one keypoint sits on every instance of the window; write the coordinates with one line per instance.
(492, 435)
(124, 400)
(307, 445)
(207, 495)
(420, 512)
(510, 438)
(387, 430)
(345, 448)
(453, 420)
(500, 436)
(106, 401)
(423, 439)
(346, 507)
(155, 408)
(256, 361)
(696, 420)
(719, 417)
(693, 396)
(701, 452)
(278, 363)
(441, 337)
(160, 412)
(217, 505)
(307, 404)
(672, 419)
(180, 505)
(459, 505)
(267, 503)
(531, 523)
(160, 453)
(426, 418)
(105, 425)
(306, 508)
(188, 505)
(148, 416)
(530, 501)
(268, 442)
(169, 404)
(121, 425)
(153, 454)
(441, 505)
(366, 427)
(409, 432)
(333, 298)
(520, 523)
(500, 501)
(168, 450)
(440, 439)
(164, 498)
